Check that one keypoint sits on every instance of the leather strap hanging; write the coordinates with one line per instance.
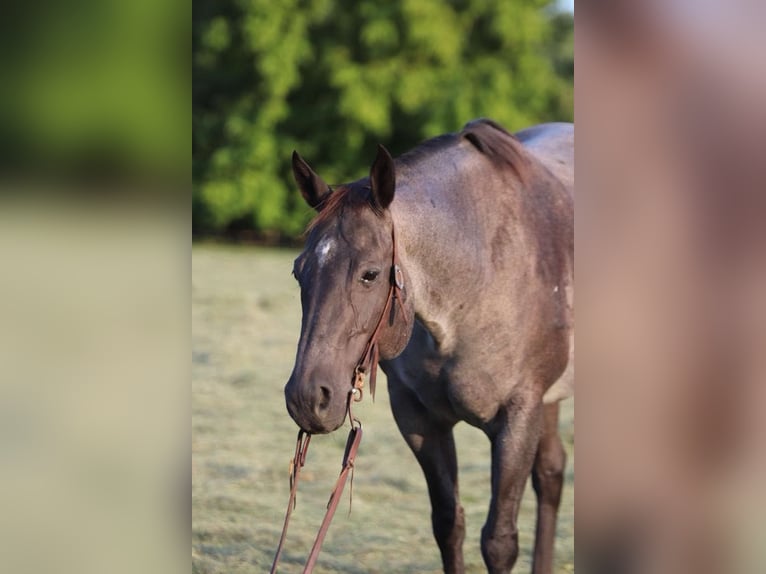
(301, 448)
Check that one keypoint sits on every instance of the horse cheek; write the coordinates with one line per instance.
(397, 336)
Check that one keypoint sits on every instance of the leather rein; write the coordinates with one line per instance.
(368, 364)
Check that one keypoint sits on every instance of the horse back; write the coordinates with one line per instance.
(553, 145)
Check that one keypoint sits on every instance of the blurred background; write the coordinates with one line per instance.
(332, 78)
(94, 90)
(94, 307)
(671, 320)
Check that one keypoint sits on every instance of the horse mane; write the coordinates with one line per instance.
(342, 196)
(487, 136)
(499, 145)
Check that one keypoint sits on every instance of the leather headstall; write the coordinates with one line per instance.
(368, 364)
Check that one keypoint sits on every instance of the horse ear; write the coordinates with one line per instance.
(313, 188)
(383, 178)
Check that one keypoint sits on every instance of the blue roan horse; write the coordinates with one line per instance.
(454, 266)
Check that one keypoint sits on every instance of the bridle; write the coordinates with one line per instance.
(368, 364)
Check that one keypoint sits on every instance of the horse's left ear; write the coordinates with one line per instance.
(383, 178)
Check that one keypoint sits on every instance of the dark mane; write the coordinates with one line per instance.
(488, 137)
(355, 195)
(497, 144)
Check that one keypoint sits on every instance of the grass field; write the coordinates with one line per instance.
(245, 325)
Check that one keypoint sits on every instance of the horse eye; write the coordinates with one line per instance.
(370, 276)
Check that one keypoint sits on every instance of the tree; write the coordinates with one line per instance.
(334, 77)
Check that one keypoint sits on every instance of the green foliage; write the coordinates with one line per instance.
(334, 77)
(95, 84)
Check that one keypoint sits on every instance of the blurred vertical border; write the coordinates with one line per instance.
(671, 187)
(95, 186)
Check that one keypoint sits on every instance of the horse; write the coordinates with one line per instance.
(453, 266)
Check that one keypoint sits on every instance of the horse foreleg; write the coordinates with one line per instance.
(548, 480)
(434, 447)
(515, 434)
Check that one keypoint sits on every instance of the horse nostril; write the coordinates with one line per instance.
(324, 399)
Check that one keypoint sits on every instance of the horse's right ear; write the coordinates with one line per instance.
(313, 188)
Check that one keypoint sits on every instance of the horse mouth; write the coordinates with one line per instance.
(317, 421)
(318, 428)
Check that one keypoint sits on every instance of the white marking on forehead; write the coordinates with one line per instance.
(324, 250)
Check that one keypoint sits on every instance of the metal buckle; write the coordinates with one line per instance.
(356, 389)
(397, 276)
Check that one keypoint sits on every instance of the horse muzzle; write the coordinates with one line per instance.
(315, 407)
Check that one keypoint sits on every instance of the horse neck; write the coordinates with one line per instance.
(440, 233)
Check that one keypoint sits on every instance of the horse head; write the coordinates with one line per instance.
(353, 293)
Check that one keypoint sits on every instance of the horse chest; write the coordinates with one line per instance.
(451, 388)
(475, 389)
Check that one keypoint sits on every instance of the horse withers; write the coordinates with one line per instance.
(476, 230)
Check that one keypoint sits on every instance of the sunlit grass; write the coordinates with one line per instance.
(246, 320)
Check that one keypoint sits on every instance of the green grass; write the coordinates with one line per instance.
(245, 325)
